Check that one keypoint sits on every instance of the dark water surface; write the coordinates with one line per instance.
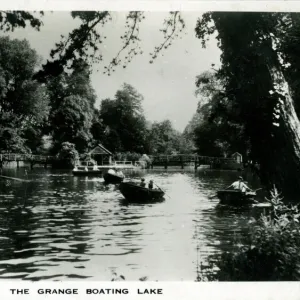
(60, 227)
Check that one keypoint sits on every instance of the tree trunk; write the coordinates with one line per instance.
(286, 165)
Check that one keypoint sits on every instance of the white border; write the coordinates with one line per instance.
(171, 291)
(174, 290)
(153, 5)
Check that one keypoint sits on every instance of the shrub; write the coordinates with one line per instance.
(145, 161)
(129, 156)
(271, 252)
(67, 155)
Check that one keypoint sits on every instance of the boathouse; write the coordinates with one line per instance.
(101, 155)
(237, 157)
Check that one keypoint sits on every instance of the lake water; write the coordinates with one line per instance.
(61, 227)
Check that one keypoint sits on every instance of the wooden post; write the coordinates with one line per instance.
(18, 166)
(166, 163)
(181, 162)
(31, 165)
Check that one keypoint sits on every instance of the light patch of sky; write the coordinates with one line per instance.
(167, 85)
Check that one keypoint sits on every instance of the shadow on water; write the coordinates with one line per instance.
(59, 227)
(125, 202)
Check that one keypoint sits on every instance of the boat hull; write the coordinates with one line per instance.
(110, 178)
(236, 198)
(135, 193)
(87, 173)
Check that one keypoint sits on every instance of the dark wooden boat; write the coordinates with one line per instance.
(112, 178)
(236, 198)
(133, 192)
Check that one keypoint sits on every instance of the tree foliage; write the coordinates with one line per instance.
(10, 20)
(268, 253)
(216, 128)
(254, 68)
(72, 107)
(24, 103)
(125, 123)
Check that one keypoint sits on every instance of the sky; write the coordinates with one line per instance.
(168, 85)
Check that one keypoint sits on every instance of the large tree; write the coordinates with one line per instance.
(72, 107)
(125, 124)
(254, 73)
(24, 102)
(217, 128)
(163, 138)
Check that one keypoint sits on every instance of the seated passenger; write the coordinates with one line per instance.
(111, 171)
(150, 185)
(120, 173)
(240, 185)
(143, 183)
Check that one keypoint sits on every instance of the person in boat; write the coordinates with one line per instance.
(143, 183)
(120, 173)
(112, 171)
(240, 185)
(150, 185)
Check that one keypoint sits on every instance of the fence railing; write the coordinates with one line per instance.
(190, 158)
(124, 162)
(24, 157)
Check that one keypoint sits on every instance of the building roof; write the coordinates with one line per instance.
(236, 153)
(99, 149)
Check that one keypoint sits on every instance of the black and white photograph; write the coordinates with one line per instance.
(151, 146)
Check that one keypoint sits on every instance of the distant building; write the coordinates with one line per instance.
(237, 157)
(101, 155)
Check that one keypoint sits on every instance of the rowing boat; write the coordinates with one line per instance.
(113, 178)
(237, 198)
(133, 192)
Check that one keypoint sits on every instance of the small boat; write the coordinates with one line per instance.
(133, 192)
(236, 198)
(113, 178)
(86, 168)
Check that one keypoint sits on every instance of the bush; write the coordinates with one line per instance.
(67, 155)
(145, 161)
(129, 156)
(270, 253)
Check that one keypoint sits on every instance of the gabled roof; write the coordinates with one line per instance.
(99, 149)
(236, 153)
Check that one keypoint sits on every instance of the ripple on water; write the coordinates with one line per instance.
(77, 228)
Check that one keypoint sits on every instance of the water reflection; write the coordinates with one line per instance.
(61, 227)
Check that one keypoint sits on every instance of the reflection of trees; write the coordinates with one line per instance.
(53, 216)
(216, 228)
(224, 227)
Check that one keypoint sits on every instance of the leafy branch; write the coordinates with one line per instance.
(174, 25)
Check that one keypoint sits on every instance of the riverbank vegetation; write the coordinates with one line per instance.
(269, 252)
(41, 117)
(256, 105)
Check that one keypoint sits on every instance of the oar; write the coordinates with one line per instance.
(162, 191)
(14, 178)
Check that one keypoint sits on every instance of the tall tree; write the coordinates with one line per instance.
(24, 102)
(253, 69)
(217, 128)
(72, 107)
(124, 120)
(163, 138)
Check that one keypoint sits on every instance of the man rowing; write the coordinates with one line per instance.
(240, 185)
